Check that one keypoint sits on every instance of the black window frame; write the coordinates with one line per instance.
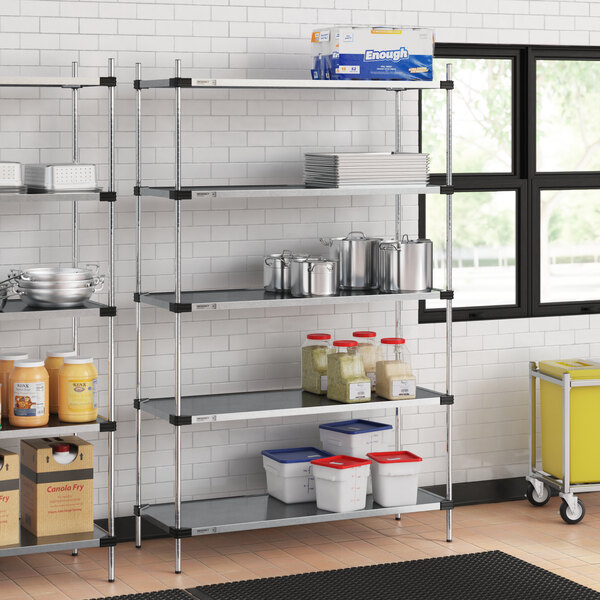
(523, 178)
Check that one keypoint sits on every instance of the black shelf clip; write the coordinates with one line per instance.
(137, 297)
(179, 420)
(182, 532)
(447, 295)
(137, 402)
(138, 509)
(108, 196)
(108, 426)
(108, 81)
(446, 190)
(137, 189)
(446, 504)
(181, 82)
(180, 194)
(108, 541)
(108, 311)
(447, 85)
(180, 307)
(446, 399)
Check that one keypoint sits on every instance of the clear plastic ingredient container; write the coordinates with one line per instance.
(370, 351)
(29, 394)
(346, 379)
(315, 350)
(395, 380)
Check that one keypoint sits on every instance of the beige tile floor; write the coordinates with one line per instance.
(537, 535)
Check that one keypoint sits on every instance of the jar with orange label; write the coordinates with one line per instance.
(7, 362)
(28, 386)
(78, 391)
(53, 364)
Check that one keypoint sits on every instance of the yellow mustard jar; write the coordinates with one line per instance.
(53, 364)
(78, 390)
(7, 362)
(29, 394)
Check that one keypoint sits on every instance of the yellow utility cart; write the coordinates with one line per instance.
(570, 415)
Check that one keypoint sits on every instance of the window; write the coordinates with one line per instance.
(526, 158)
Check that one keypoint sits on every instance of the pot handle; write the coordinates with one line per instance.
(267, 259)
(94, 268)
(98, 283)
(390, 246)
(405, 239)
(326, 241)
(359, 235)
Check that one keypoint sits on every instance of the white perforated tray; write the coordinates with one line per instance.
(11, 175)
(60, 177)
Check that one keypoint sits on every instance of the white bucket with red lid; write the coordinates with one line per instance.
(395, 477)
(341, 483)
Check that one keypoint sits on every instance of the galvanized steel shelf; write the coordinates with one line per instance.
(57, 82)
(242, 299)
(74, 196)
(56, 543)
(241, 513)
(183, 519)
(273, 403)
(55, 428)
(289, 84)
(280, 191)
(16, 309)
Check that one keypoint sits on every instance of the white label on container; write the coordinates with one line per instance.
(371, 376)
(323, 383)
(348, 69)
(404, 387)
(29, 399)
(359, 391)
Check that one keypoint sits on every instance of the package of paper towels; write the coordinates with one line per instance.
(372, 53)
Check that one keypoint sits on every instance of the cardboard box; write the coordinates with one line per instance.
(57, 499)
(373, 53)
(9, 498)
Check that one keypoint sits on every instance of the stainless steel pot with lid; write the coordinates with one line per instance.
(276, 271)
(389, 266)
(313, 276)
(416, 265)
(358, 257)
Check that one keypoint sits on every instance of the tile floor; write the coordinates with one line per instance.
(537, 535)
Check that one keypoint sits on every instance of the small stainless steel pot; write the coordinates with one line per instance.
(358, 257)
(416, 265)
(389, 266)
(276, 271)
(313, 276)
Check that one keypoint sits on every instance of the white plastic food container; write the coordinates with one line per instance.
(395, 477)
(341, 483)
(290, 473)
(356, 437)
(60, 177)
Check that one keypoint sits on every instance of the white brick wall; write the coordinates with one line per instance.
(253, 136)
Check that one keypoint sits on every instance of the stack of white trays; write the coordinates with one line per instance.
(344, 169)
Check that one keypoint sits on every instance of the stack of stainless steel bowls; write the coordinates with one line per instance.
(58, 287)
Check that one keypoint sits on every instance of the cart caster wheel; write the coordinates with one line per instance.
(534, 498)
(572, 517)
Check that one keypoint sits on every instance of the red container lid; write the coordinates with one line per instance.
(318, 336)
(341, 462)
(345, 343)
(394, 457)
(61, 448)
(393, 340)
(364, 334)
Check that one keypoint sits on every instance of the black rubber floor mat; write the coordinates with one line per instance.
(160, 595)
(482, 576)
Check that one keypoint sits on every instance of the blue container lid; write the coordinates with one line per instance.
(355, 426)
(296, 455)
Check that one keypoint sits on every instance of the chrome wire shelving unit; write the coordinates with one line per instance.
(200, 517)
(16, 309)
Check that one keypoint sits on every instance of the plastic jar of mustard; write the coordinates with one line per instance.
(314, 362)
(7, 362)
(28, 397)
(395, 380)
(370, 351)
(53, 364)
(346, 379)
(78, 390)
